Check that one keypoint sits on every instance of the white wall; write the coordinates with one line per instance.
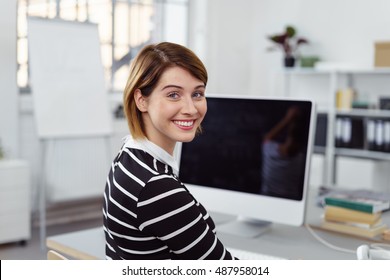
(237, 60)
(229, 40)
(9, 125)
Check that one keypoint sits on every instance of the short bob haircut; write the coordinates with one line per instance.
(145, 72)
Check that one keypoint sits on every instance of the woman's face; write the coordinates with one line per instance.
(174, 110)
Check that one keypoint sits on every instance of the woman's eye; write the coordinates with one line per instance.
(198, 94)
(173, 95)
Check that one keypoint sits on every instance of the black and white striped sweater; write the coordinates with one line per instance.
(149, 214)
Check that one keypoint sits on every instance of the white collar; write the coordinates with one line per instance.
(154, 150)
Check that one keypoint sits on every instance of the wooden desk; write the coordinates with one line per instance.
(84, 244)
(283, 241)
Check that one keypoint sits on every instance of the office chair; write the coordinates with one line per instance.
(53, 255)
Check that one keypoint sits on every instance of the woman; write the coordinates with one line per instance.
(148, 212)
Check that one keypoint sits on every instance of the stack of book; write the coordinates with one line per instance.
(355, 216)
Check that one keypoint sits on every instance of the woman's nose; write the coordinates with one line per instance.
(189, 107)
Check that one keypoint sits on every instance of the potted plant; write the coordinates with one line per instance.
(289, 43)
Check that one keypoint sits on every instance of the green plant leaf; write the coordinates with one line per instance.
(279, 39)
(290, 31)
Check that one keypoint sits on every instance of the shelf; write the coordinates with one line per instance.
(354, 153)
(363, 154)
(319, 150)
(306, 71)
(314, 71)
(335, 77)
(364, 113)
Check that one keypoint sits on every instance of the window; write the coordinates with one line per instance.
(125, 26)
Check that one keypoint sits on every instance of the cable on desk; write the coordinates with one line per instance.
(326, 243)
(380, 246)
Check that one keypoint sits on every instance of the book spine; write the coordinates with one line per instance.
(349, 204)
(346, 218)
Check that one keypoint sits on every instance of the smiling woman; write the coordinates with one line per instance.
(148, 212)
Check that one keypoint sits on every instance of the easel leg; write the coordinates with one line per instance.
(42, 198)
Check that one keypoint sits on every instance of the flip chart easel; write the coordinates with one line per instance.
(68, 87)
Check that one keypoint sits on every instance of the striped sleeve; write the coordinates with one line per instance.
(168, 211)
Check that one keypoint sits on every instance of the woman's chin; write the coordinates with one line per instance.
(186, 138)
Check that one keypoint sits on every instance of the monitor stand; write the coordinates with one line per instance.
(245, 227)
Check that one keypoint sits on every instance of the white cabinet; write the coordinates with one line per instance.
(321, 86)
(14, 201)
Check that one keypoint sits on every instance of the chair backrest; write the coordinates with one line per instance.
(53, 255)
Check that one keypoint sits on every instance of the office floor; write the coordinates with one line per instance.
(32, 250)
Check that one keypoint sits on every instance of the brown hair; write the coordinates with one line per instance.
(145, 72)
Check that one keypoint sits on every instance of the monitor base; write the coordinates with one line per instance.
(245, 227)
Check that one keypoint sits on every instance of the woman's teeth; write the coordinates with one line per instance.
(184, 123)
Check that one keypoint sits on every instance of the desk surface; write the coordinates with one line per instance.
(283, 241)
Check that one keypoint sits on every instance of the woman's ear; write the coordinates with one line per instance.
(140, 100)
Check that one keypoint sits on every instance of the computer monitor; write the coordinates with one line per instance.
(251, 160)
